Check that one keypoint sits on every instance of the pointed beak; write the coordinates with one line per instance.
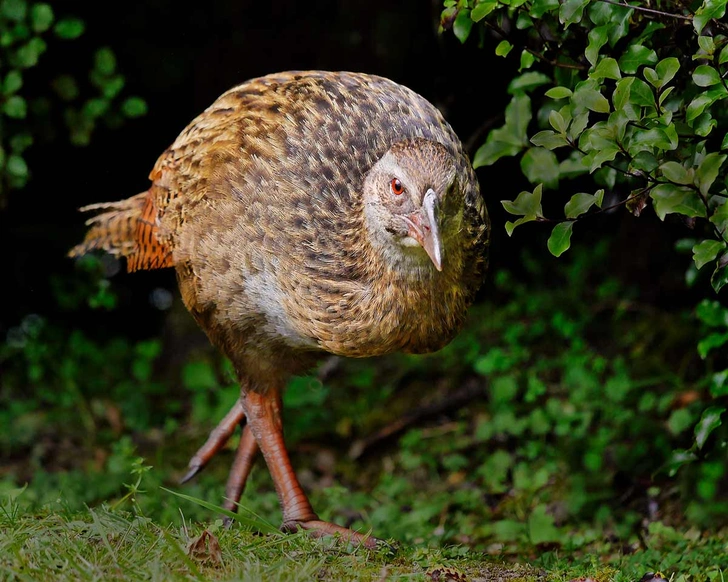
(424, 228)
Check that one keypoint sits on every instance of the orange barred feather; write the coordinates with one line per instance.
(127, 228)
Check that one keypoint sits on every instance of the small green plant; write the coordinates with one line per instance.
(27, 31)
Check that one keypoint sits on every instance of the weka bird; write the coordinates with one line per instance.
(307, 213)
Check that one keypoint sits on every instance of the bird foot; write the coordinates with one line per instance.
(318, 528)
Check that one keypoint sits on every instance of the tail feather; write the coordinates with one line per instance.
(127, 228)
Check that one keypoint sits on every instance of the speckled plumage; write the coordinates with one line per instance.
(268, 207)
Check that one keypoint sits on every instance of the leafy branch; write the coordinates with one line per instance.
(603, 89)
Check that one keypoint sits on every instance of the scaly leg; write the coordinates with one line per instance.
(244, 458)
(216, 441)
(263, 412)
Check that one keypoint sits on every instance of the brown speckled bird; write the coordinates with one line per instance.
(307, 213)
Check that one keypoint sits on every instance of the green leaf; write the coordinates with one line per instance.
(667, 69)
(16, 166)
(678, 459)
(665, 94)
(541, 7)
(105, 61)
(540, 165)
(556, 120)
(511, 226)
(571, 11)
(598, 37)
(709, 10)
(671, 199)
(676, 173)
(705, 251)
(580, 121)
(572, 166)
(549, 140)
(510, 139)
(541, 528)
(597, 158)
(711, 342)
(20, 142)
(527, 59)
(525, 204)
(462, 25)
(708, 171)
(560, 239)
(14, 9)
(719, 384)
(96, 107)
(723, 57)
(15, 107)
(41, 17)
(112, 86)
(482, 9)
(641, 94)
(559, 93)
(599, 197)
(712, 314)
(579, 204)
(707, 45)
(503, 48)
(589, 98)
(617, 123)
(606, 69)
(13, 82)
(704, 124)
(720, 218)
(705, 76)
(719, 279)
(709, 421)
(620, 97)
(134, 107)
(527, 82)
(651, 76)
(27, 55)
(497, 146)
(703, 100)
(636, 56)
(69, 28)
(648, 139)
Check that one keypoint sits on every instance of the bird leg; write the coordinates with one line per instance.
(244, 458)
(216, 441)
(263, 411)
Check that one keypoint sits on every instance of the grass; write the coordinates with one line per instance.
(119, 542)
(105, 544)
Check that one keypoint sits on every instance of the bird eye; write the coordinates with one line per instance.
(396, 186)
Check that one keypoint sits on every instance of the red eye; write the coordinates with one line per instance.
(396, 186)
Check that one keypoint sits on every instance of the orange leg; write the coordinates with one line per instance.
(263, 412)
(244, 458)
(216, 441)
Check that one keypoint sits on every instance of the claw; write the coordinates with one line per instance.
(216, 441)
(193, 470)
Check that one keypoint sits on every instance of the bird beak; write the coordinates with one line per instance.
(424, 228)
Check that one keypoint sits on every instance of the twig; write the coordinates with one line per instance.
(465, 394)
(647, 10)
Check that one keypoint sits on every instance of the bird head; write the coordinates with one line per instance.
(412, 202)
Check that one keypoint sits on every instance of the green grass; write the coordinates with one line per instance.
(118, 544)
